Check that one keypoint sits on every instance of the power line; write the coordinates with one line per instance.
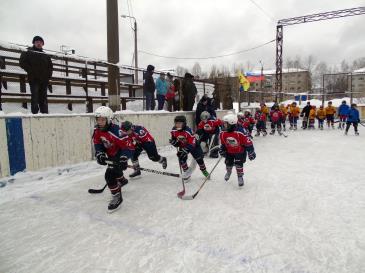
(264, 11)
(205, 58)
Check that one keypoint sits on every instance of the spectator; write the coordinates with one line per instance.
(161, 87)
(189, 92)
(149, 88)
(39, 69)
(305, 115)
(205, 104)
(170, 95)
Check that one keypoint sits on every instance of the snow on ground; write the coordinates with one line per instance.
(301, 211)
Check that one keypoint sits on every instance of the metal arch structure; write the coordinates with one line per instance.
(301, 20)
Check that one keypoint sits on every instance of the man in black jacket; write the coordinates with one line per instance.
(39, 68)
(305, 115)
(149, 88)
(205, 104)
(189, 92)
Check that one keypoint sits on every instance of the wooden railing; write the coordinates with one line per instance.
(68, 72)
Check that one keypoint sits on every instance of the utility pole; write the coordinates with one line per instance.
(113, 54)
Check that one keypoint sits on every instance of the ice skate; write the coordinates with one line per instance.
(115, 202)
(240, 181)
(228, 175)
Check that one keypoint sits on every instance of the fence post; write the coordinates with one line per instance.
(323, 94)
(68, 92)
(103, 92)
(89, 103)
(351, 90)
(181, 96)
(124, 103)
(23, 89)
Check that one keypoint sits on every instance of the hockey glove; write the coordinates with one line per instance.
(252, 155)
(101, 158)
(182, 154)
(123, 162)
(174, 142)
(222, 152)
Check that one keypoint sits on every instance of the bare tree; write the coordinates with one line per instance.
(180, 71)
(213, 72)
(345, 66)
(321, 68)
(289, 63)
(358, 63)
(196, 70)
(297, 63)
(309, 63)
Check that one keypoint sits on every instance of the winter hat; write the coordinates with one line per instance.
(37, 38)
(150, 67)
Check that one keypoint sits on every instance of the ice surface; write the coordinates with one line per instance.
(301, 211)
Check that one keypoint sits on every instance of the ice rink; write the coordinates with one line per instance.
(302, 210)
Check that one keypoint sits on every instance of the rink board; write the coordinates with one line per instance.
(35, 142)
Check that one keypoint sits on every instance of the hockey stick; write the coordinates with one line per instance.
(181, 194)
(112, 163)
(156, 172)
(92, 191)
(191, 197)
(362, 124)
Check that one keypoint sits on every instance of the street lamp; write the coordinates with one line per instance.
(135, 47)
(262, 73)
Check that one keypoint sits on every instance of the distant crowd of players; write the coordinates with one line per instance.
(230, 137)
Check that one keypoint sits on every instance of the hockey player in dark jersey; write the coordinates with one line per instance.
(183, 139)
(142, 140)
(111, 146)
(235, 145)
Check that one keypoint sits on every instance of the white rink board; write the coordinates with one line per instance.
(57, 140)
(54, 141)
(4, 157)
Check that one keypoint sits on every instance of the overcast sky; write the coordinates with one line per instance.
(188, 28)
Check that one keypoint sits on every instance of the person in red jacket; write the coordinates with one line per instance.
(208, 133)
(260, 118)
(110, 145)
(276, 117)
(246, 121)
(182, 138)
(235, 146)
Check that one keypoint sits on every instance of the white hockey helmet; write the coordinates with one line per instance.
(240, 115)
(205, 115)
(104, 112)
(231, 119)
(248, 111)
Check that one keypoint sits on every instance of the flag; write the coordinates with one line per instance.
(244, 83)
(254, 77)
